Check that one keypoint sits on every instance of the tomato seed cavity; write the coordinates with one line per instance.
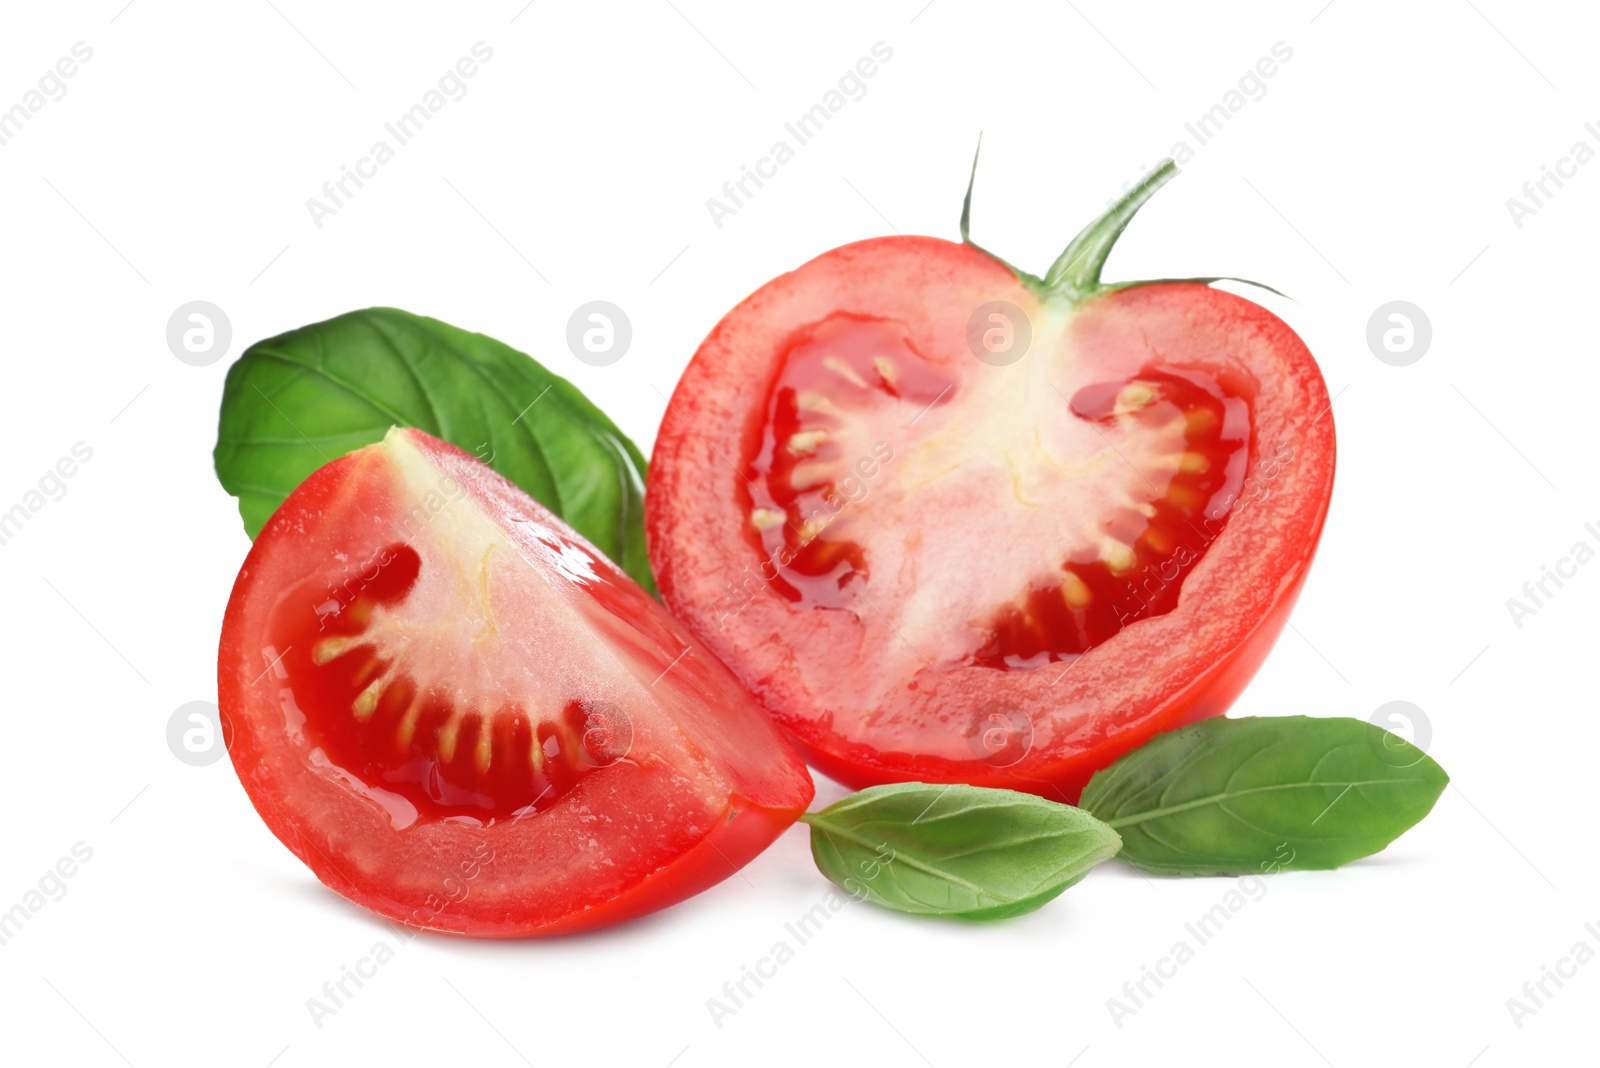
(848, 380)
(372, 717)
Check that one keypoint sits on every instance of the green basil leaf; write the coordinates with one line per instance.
(1254, 795)
(956, 850)
(294, 402)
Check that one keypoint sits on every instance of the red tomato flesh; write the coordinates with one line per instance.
(930, 567)
(458, 713)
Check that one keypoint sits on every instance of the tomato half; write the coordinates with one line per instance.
(954, 523)
(459, 714)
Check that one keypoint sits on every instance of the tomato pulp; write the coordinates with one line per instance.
(459, 714)
(954, 523)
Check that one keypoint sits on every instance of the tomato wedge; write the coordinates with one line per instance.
(954, 523)
(459, 714)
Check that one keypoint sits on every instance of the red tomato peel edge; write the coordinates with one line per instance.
(460, 715)
(936, 558)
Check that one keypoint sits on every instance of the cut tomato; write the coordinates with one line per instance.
(459, 714)
(954, 523)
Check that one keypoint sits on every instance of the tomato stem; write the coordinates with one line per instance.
(1076, 273)
(1075, 276)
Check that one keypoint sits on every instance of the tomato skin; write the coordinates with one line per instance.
(681, 813)
(737, 837)
(1152, 676)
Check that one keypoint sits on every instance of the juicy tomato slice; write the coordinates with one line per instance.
(458, 713)
(934, 566)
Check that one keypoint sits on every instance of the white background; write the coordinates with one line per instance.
(1376, 167)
